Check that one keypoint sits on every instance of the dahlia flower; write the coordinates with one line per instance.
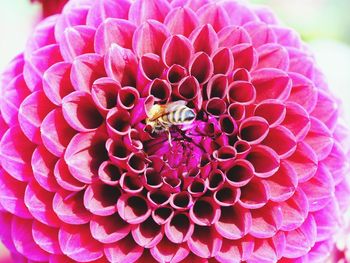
(259, 176)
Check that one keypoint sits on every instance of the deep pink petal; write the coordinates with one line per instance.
(165, 250)
(147, 234)
(205, 241)
(204, 39)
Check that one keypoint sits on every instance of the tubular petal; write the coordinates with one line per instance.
(205, 241)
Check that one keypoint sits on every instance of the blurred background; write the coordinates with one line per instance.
(324, 24)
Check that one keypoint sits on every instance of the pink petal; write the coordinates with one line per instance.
(80, 112)
(271, 84)
(294, 210)
(233, 35)
(239, 173)
(46, 237)
(217, 87)
(113, 31)
(162, 215)
(204, 39)
(39, 203)
(109, 229)
(72, 237)
(303, 92)
(266, 221)
(181, 20)
(223, 61)
(178, 50)
(254, 195)
(304, 162)
(100, 11)
(84, 154)
(166, 251)
(150, 67)
(205, 212)
(125, 250)
(5, 232)
(336, 163)
(179, 228)
(273, 56)
(245, 56)
(104, 93)
(181, 200)
(272, 111)
(326, 110)
(12, 96)
(69, 207)
(192, 4)
(205, 241)
(239, 12)
(149, 38)
(32, 112)
(286, 37)
(56, 132)
(236, 111)
(38, 62)
(131, 183)
(12, 195)
(147, 234)
(283, 183)
(16, 152)
(101, 199)
(121, 65)
(319, 189)
(141, 11)
(227, 196)
(301, 62)
(260, 33)
(56, 82)
(269, 250)
(302, 239)
(201, 67)
(265, 161)
(319, 138)
(253, 130)
(65, 179)
(276, 136)
(213, 14)
(234, 223)
(233, 251)
(21, 230)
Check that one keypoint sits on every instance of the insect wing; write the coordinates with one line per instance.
(157, 111)
(173, 106)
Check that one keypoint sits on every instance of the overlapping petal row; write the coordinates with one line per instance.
(258, 177)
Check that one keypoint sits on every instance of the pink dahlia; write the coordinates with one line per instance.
(258, 176)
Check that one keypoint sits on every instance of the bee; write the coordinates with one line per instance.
(162, 117)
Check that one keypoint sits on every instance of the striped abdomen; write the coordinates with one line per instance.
(180, 115)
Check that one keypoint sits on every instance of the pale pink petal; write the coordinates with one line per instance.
(46, 237)
(141, 11)
(181, 20)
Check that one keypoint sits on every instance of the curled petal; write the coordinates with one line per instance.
(165, 250)
(43, 163)
(70, 237)
(76, 41)
(241, 92)
(254, 195)
(235, 250)
(131, 183)
(56, 82)
(101, 199)
(65, 179)
(188, 88)
(240, 173)
(12, 195)
(117, 152)
(236, 111)
(205, 241)
(215, 179)
(84, 154)
(127, 98)
(152, 179)
(21, 230)
(276, 136)
(16, 152)
(217, 87)
(181, 201)
(242, 148)
(228, 125)
(150, 67)
(160, 90)
(149, 38)
(245, 56)
(226, 196)
(273, 56)
(46, 237)
(265, 161)
(104, 93)
(181, 20)
(121, 65)
(158, 198)
(215, 107)
(234, 222)
(109, 173)
(162, 215)
(266, 221)
(101, 11)
(204, 39)
(225, 155)
(175, 74)
(205, 212)
(109, 229)
(70, 208)
(179, 228)
(273, 111)
(201, 67)
(269, 250)
(147, 234)
(197, 187)
(241, 74)
(118, 122)
(56, 133)
(113, 31)
(32, 113)
(177, 49)
(302, 239)
(253, 130)
(133, 208)
(142, 11)
(271, 84)
(85, 70)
